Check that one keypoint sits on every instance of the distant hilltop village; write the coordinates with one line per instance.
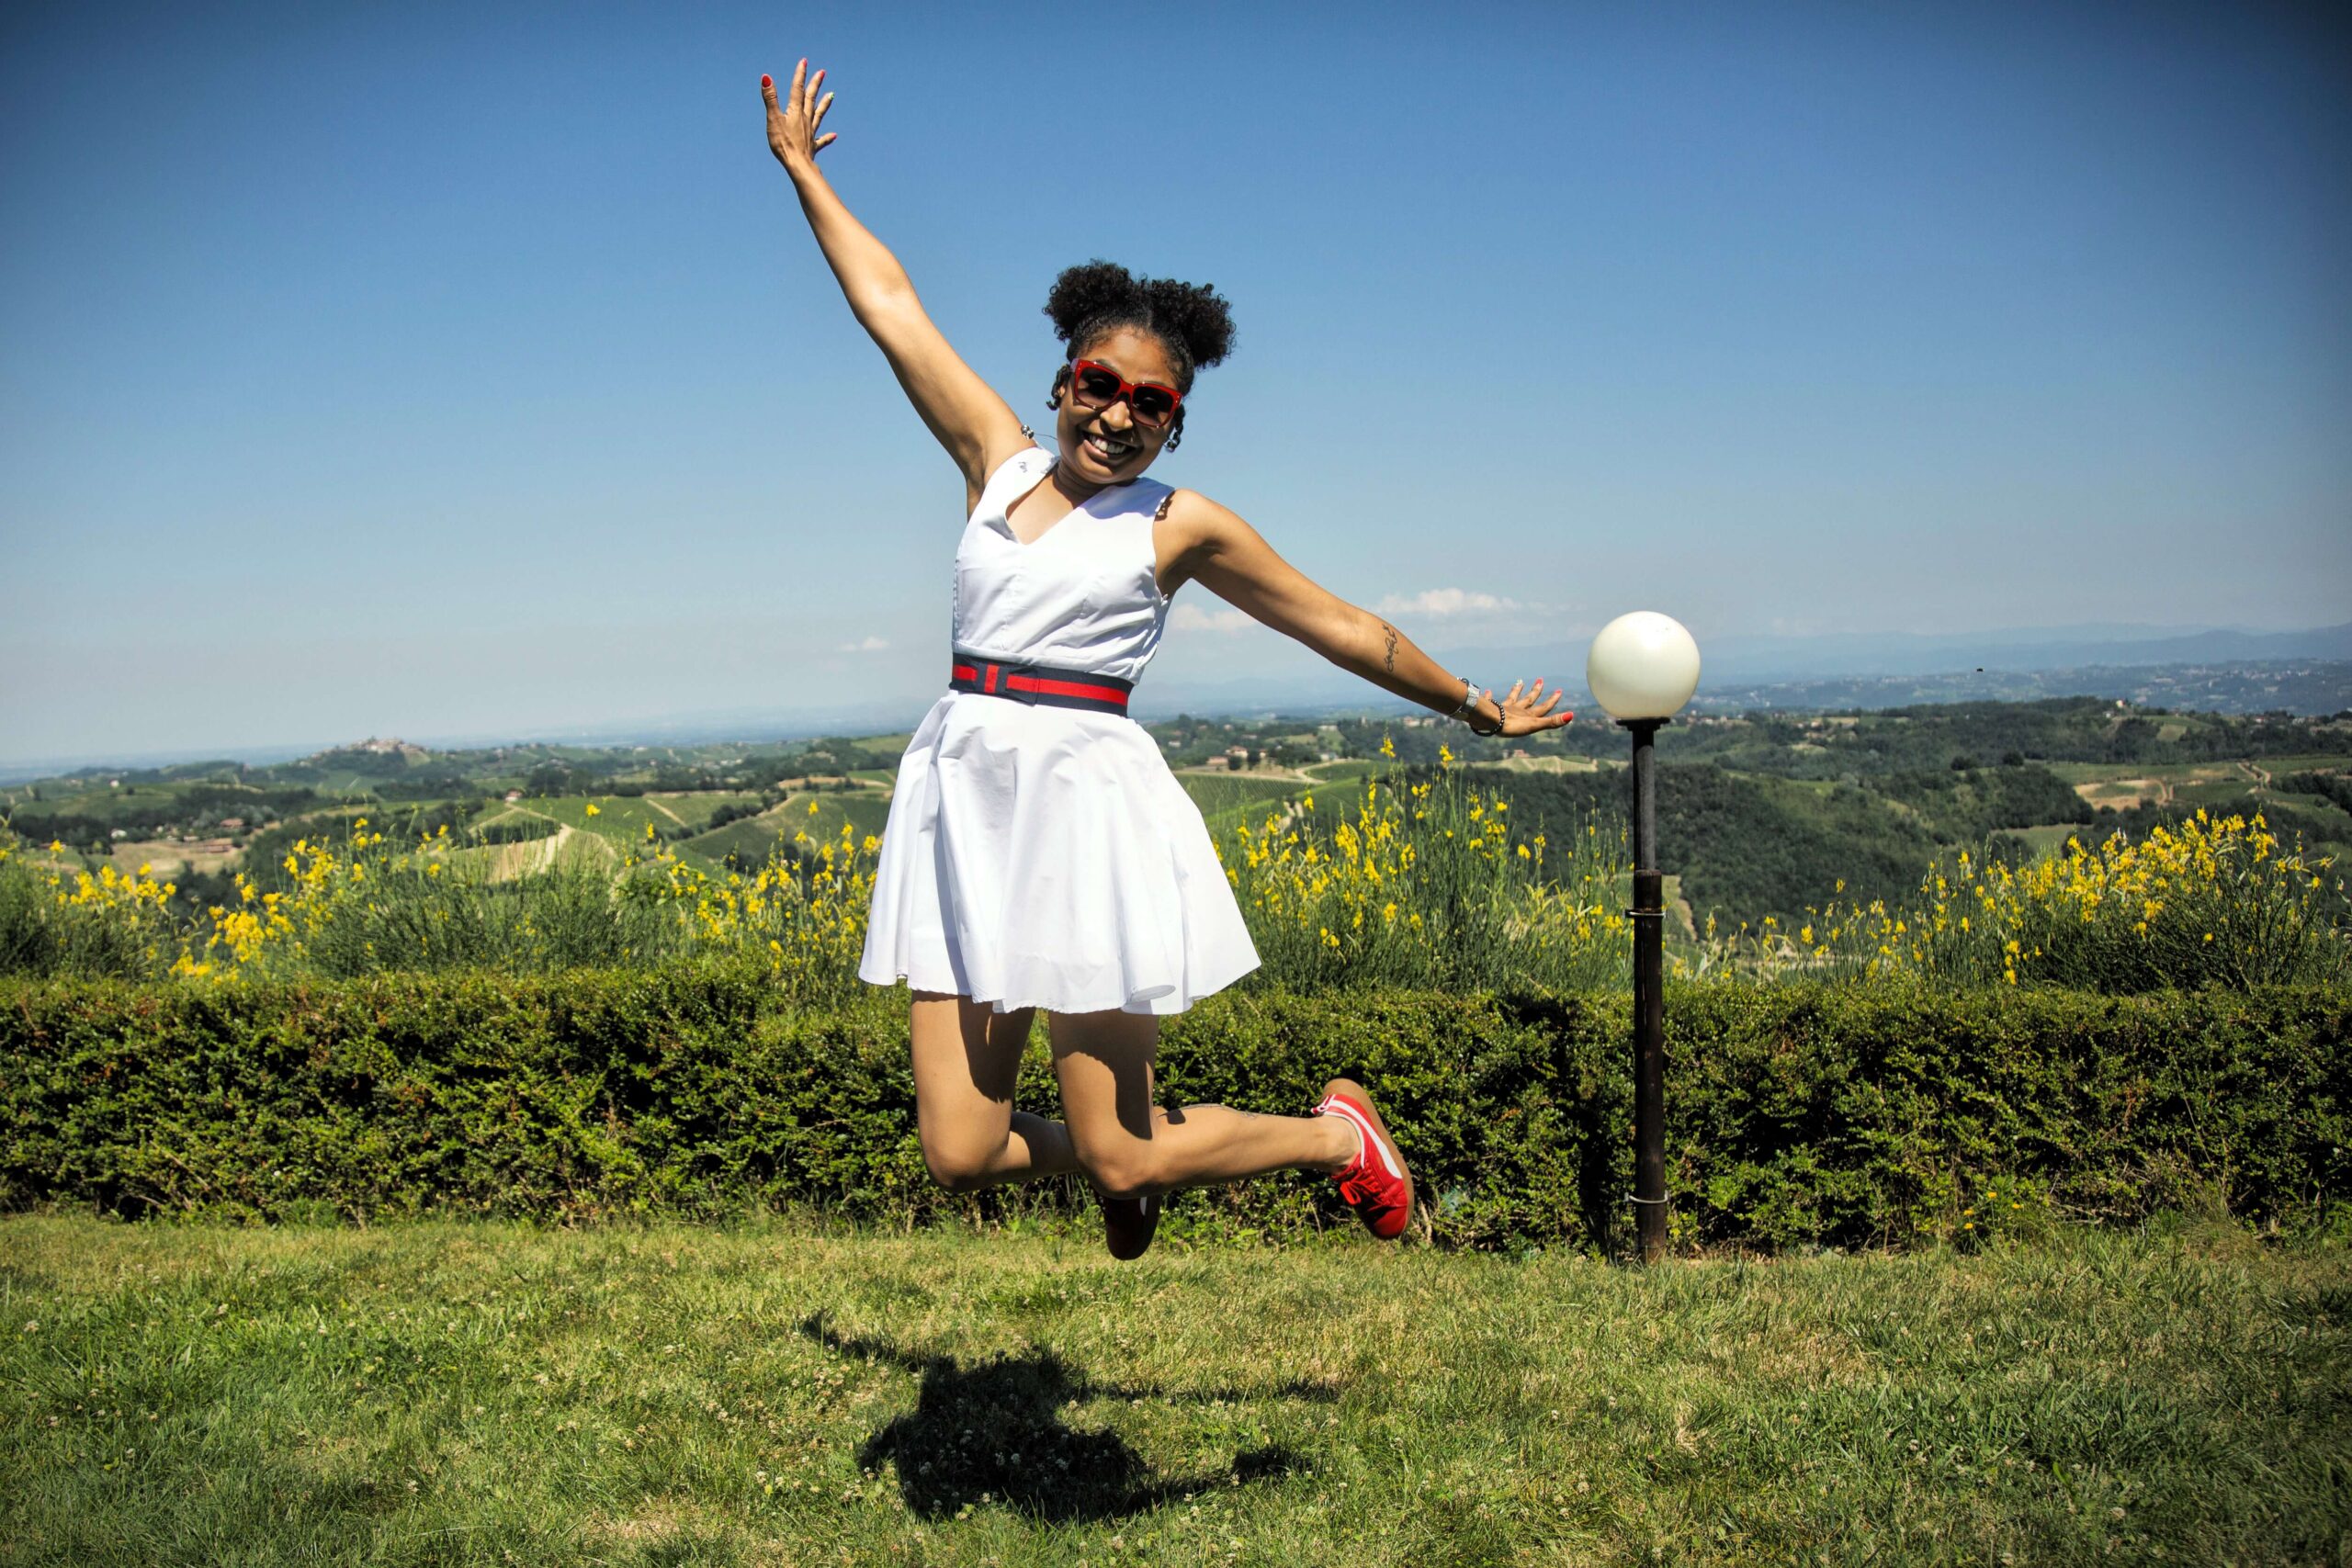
(394, 746)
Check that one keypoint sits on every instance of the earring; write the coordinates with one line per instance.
(1176, 437)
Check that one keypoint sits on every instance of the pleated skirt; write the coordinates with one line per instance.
(1045, 857)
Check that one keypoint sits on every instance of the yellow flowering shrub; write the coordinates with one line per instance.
(2216, 900)
(1419, 880)
(1424, 883)
(55, 918)
(362, 905)
(803, 911)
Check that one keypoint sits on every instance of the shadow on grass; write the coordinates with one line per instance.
(993, 1431)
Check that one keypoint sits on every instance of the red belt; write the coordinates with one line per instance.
(1038, 684)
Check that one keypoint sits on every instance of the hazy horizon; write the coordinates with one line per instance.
(1156, 701)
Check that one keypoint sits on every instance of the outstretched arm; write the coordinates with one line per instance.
(974, 425)
(1234, 561)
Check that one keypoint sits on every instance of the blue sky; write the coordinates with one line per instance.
(465, 370)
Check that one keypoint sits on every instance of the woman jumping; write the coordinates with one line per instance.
(1038, 853)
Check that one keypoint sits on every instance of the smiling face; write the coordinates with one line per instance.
(1106, 446)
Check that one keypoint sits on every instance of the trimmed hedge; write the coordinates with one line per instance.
(1798, 1114)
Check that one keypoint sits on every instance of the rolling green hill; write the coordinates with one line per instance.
(1215, 793)
(753, 839)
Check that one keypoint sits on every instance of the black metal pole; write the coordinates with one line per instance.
(1650, 1002)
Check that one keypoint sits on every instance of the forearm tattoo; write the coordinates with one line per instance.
(1391, 658)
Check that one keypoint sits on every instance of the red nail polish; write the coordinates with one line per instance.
(766, 81)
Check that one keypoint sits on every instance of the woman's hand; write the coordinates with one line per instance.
(792, 125)
(1526, 717)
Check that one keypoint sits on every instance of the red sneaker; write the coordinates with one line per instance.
(1377, 1185)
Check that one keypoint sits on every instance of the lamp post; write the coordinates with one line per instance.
(1641, 669)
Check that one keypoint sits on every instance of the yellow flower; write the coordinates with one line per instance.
(592, 811)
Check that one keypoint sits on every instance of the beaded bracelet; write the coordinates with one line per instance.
(1467, 709)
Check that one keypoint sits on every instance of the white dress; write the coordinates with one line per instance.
(1040, 856)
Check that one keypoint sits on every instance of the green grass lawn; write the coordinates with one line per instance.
(777, 1392)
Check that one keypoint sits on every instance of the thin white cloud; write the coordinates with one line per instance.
(1446, 601)
(868, 645)
(1192, 618)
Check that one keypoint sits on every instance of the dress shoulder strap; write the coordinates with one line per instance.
(1017, 472)
(1145, 498)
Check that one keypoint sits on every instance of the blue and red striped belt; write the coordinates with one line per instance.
(1038, 684)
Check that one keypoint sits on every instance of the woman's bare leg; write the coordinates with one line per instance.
(966, 1056)
(1129, 1147)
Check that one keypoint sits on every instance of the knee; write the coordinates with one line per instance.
(958, 1168)
(1134, 1172)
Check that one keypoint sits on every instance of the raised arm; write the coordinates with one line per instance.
(975, 425)
(1233, 560)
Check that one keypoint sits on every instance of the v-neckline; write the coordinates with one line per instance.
(1005, 513)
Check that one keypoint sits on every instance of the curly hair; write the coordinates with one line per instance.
(1192, 319)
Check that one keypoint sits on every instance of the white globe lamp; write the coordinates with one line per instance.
(1641, 669)
(1643, 665)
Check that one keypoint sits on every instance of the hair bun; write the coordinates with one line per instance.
(1192, 319)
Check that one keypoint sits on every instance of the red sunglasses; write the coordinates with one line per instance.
(1098, 386)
